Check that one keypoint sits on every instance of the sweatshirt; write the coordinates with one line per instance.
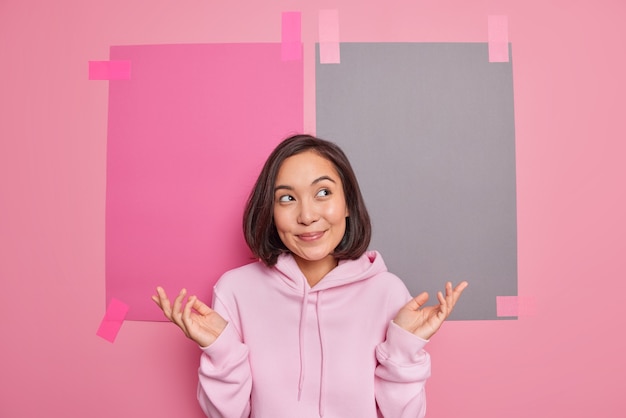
(331, 350)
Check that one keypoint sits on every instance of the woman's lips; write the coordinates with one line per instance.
(311, 236)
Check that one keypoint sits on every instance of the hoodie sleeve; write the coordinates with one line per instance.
(401, 374)
(225, 379)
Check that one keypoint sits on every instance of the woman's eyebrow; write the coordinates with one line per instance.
(322, 178)
(317, 180)
(282, 187)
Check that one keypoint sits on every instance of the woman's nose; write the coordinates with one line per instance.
(307, 214)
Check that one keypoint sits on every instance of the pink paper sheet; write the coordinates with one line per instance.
(187, 137)
(515, 306)
(113, 320)
(498, 28)
(291, 36)
(328, 22)
(109, 70)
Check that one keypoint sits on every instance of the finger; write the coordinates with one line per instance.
(201, 307)
(461, 287)
(458, 290)
(164, 303)
(179, 300)
(161, 292)
(177, 310)
(444, 305)
(453, 295)
(442, 300)
(186, 314)
(417, 302)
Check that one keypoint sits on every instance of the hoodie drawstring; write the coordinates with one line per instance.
(323, 373)
(303, 312)
(303, 318)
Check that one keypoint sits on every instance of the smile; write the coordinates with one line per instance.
(311, 236)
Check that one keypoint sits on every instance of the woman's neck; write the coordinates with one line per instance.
(314, 271)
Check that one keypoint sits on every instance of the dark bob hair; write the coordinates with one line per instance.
(258, 219)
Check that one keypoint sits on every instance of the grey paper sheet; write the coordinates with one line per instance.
(429, 128)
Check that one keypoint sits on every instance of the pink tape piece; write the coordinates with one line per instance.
(515, 306)
(328, 22)
(291, 49)
(507, 306)
(498, 27)
(109, 70)
(113, 319)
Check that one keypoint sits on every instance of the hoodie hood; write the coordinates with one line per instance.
(346, 272)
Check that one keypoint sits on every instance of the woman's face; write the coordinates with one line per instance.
(310, 208)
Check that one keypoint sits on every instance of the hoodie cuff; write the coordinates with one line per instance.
(226, 344)
(403, 347)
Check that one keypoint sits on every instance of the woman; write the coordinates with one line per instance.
(317, 327)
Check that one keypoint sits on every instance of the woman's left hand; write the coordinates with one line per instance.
(425, 321)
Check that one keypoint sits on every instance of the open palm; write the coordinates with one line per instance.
(199, 322)
(425, 321)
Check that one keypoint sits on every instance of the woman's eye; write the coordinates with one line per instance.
(285, 198)
(323, 193)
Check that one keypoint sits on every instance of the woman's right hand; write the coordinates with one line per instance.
(199, 322)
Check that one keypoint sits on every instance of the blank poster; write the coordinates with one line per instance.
(187, 136)
(429, 128)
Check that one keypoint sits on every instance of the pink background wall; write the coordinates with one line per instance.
(566, 359)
